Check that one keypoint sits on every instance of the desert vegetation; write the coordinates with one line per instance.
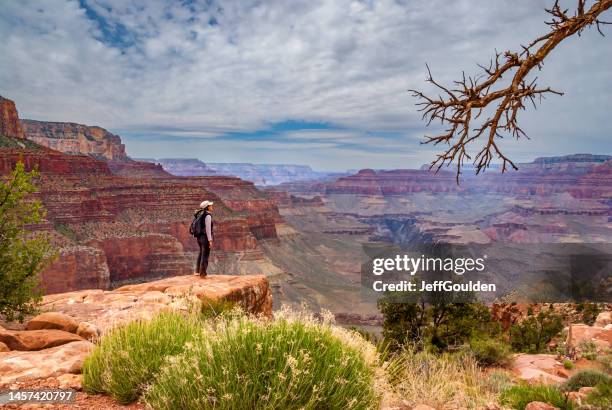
(23, 252)
(230, 360)
(216, 356)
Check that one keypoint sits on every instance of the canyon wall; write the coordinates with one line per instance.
(74, 138)
(9, 119)
(117, 221)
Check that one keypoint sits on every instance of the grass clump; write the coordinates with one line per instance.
(130, 356)
(568, 364)
(585, 378)
(252, 364)
(588, 350)
(499, 381)
(490, 352)
(517, 397)
(601, 397)
(443, 381)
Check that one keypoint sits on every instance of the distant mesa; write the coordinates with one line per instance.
(186, 167)
(259, 174)
(591, 158)
(366, 172)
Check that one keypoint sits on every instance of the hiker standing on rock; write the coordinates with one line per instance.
(202, 229)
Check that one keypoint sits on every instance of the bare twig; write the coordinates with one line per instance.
(461, 105)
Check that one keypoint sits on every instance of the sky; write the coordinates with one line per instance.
(316, 82)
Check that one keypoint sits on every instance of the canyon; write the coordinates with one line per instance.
(117, 220)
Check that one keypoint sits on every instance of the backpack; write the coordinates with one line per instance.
(196, 228)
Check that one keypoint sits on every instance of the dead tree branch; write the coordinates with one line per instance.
(460, 106)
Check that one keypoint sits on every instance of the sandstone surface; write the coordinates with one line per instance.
(104, 309)
(537, 368)
(21, 365)
(53, 320)
(579, 334)
(36, 339)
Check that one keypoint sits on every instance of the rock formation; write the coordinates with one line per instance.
(116, 220)
(9, 120)
(183, 166)
(74, 138)
(56, 342)
(259, 174)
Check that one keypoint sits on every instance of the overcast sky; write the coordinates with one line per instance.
(307, 82)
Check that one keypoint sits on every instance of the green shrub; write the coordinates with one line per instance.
(588, 312)
(519, 396)
(568, 364)
(601, 397)
(490, 352)
(129, 356)
(606, 362)
(533, 334)
(588, 350)
(585, 378)
(252, 364)
(23, 253)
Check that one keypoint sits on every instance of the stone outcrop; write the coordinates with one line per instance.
(74, 138)
(53, 320)
(55, 361)
(104, 309)
(603, 319)
(538, 368)
(9, 119)
(43, 350)
(579, 333)
(36, 339)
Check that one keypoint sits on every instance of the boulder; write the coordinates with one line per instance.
(538, 405)
(576, 397)
(36, 339)
(537, 368)
(53, 320)
(19, 365)
(603, 319)
(105, 309)
(580, 333)
(88, 331)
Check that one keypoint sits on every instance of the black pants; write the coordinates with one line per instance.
(202, 263)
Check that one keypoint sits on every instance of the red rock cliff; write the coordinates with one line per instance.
(74, 138)
(9, 120)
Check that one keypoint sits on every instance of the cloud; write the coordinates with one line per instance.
(212, 69)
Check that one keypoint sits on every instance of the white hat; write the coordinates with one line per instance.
(204, 204)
